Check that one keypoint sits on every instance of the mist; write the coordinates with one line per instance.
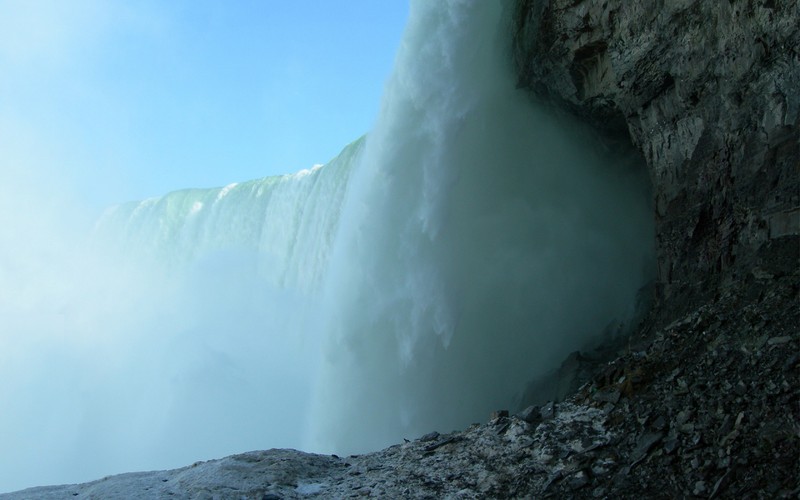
(106, 371)
(484, 238)
(166, 331)
(416, 282)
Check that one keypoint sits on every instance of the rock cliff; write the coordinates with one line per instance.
(709, 92)
(704, 400)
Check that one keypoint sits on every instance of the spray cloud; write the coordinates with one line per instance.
(483, 239)
(414, 283)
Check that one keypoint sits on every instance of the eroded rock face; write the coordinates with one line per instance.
(709, 92)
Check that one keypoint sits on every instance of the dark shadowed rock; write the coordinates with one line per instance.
(547, 411)
(431, 436)
(531, 414)
(498, 414)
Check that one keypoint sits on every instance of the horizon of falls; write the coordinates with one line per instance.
(414, 283)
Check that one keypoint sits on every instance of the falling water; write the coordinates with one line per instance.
(483, 239)
(414, 283)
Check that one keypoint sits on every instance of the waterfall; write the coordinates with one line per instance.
(414, 283)
(483, 239)
(186, 328)
(283, 225)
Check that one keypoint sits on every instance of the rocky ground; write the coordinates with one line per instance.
(707, 406)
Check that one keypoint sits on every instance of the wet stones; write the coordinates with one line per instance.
(611, 396)
(531, 414)
(431, 436)
(547, 411)
(646, 442)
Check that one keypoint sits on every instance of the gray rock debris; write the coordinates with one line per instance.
(475, 463)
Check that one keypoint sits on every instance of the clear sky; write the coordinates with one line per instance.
(116, 100)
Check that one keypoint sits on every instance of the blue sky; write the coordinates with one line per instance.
(115, 100)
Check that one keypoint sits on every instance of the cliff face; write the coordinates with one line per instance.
(709, 92)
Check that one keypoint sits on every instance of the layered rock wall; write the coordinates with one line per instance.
(709, 92)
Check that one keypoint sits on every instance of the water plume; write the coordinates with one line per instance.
(483, 239)
(414, 283)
